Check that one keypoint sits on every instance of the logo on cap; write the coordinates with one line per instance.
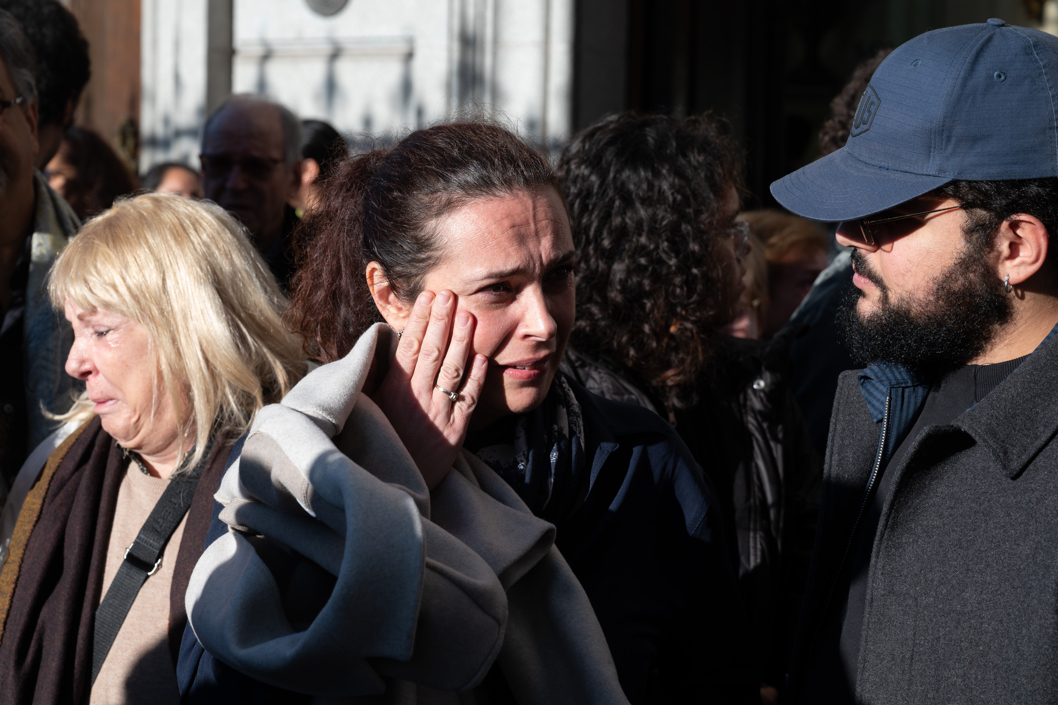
(865, 113)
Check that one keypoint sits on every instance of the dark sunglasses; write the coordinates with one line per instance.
(879, 231)
(220, 165)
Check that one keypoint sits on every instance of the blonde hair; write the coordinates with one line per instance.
(784, 234)
(187, 272)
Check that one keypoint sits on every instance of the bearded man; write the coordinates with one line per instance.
(935, 574)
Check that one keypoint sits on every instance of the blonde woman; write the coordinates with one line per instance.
(179, 340)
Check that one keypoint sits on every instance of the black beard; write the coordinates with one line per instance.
(932, 337)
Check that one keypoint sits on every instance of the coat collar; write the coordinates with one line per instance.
(1017, 418)
(879, 379)
(1019, 408)
(600, 438)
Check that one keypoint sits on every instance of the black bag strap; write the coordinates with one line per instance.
(142, 559)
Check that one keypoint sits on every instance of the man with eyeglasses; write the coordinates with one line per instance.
(63, 67)
(251, 167)
(935, 575)
(35, 225)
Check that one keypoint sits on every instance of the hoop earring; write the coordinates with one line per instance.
(1006, 285)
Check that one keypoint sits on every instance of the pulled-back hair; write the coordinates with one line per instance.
(645, 195)
(323, 144)
(187, 272)
(382, 206)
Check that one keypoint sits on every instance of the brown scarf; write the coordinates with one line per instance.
(51, 583)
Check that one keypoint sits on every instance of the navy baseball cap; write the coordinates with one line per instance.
(977, 102)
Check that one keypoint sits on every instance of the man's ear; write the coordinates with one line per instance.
(1022, 244)
(386, 300)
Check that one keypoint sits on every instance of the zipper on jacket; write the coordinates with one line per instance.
(879, 456)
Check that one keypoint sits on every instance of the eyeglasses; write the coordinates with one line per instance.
(879, 231)
(220, 165)
(740, 231)
(5, 104)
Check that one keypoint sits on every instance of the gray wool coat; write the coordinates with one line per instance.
(342, 577)
(962, 593)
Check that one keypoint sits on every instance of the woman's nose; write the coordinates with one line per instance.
(77, 362)
(538, 321)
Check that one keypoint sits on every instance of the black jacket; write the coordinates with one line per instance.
(647, 544)
(748, 435)
(962, 588)
(818, 352)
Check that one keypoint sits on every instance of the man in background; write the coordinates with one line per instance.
(35, 225)
(63, 67)
(251, 167)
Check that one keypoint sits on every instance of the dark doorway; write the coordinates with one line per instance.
(770, 67)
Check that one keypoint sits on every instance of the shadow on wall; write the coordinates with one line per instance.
(471, 82)
(330, 92)
(470, 88)
(261, 85)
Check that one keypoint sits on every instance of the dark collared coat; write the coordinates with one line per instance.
(962, 592)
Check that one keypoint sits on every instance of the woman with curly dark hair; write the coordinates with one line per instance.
(644, 195)
(412, 494)
(653, 203)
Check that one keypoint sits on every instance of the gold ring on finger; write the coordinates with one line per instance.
(451, 395)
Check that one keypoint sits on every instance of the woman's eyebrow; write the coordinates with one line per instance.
(561, 260)
(558, 261)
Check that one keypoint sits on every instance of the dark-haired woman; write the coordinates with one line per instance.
(88, 173)
(654, 205)
(172, 177)
(409, 490)
(322, 149)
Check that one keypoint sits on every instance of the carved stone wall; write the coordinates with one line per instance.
(373, 69)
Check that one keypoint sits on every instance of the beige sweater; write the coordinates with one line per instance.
(139, 662)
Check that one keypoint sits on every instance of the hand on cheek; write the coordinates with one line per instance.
(432, 363)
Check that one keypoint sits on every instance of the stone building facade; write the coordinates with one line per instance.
(372, 68)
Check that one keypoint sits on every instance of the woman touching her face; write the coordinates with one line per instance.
(437, 287)
(505, 293)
